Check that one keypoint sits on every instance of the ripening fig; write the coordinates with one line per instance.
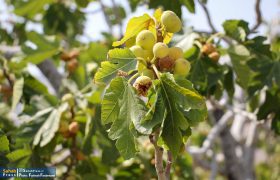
(165, 64)
(142, 84)
(67, 56)
(208, 48)
(214, 56)
(148, 72)
(171, 21)
(69, 98)
(139, 52)
(72, 65)
(146, 39)
(182, 67)
(73, 127)
(160, 50)
(175, 53)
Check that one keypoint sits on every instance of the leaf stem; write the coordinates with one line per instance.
(86, 88)
(218, 34)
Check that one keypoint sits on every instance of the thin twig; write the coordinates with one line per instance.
(209, 20)
(258, 15)
(103, 7)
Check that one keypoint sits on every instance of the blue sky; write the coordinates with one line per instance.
(220, 10)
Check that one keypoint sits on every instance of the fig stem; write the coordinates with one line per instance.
(153, 60)
(219, 34)
(156, 71)
(133, 77)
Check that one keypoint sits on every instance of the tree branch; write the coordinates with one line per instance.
(206, 165)
(221, 124)
(158, 156)
(234, 169)
(168, 165)
(209, 20)
(258, 15)
(214, 167)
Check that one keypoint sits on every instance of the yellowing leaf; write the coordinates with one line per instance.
(135, 25)
(157, 14)
(166, 35)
